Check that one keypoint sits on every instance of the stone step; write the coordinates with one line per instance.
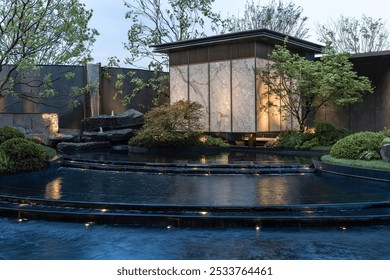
(176, 215)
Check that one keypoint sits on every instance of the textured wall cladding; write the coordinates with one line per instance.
(178, 83)
(243, 95)
(199, 90)
(220, 97)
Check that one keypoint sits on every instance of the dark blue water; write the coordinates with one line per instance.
(214, 190)
(31, 240)
(55, 240)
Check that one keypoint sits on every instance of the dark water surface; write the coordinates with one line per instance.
(214, 190)
(37, 240)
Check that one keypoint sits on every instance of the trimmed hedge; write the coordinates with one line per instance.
(24, 155)
(362, 145)
(7, 132)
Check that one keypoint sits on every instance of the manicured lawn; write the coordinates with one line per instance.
(371, 164)
(50, 151)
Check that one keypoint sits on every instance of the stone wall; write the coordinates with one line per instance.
(41, 125)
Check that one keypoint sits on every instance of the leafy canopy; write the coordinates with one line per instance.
(278, 16)
(303, 86)
(352, 35)
(155, 22)
(34, 32)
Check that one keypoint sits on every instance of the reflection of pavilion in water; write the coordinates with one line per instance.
(53, 189)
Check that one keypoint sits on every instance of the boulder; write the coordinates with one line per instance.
(116, 135)
(385, 152)
(129, 119)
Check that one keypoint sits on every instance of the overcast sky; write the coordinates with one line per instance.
(109, 18)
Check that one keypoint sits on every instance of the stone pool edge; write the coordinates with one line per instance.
(350, 171)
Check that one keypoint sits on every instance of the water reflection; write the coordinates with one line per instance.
(183, 158)
(53, 189)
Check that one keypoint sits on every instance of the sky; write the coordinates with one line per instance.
(109, 19)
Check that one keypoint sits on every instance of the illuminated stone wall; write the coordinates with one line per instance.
(233, 99)
(220, 97)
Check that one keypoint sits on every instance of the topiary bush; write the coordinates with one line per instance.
(7, 132)
(360, 145)
(24, 155)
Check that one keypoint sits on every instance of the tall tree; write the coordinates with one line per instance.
(351, 35)
(34, 32)
(278, 16)
(156, 22)
(304, 86)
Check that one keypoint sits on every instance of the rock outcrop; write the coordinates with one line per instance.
(129, 119)
(385, 152)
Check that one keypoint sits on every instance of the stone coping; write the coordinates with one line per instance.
(197, 216)
(213, 150)
(186, 168)
(357, 172)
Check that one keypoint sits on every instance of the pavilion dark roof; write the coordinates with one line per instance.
(258, 35)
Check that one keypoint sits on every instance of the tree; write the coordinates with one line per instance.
(156, 22)
(304, 86)
(355, 35)
(34, 32)
(281, 17)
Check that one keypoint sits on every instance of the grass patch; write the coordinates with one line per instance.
(369, 164)
(322, 148)
(50, 151)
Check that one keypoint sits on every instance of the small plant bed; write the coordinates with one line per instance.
(321, 137)
(174, 126)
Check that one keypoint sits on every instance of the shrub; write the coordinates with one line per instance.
(24, 155)
(174, 126)
(358, 145)
(7, 132)
(297, 140)
(385, 141)
(328, 134)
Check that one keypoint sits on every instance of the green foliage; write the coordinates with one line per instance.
(351, 35)
(369, 155)
(302, 86)
(4, 162)
(385, 141)
(175, 125)
(37, 32)
(360, 145)
(324, 134)
(155, 22)
(328, 134)
(24, 155)
(297, 140)
(7, 132)
(276, 16)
